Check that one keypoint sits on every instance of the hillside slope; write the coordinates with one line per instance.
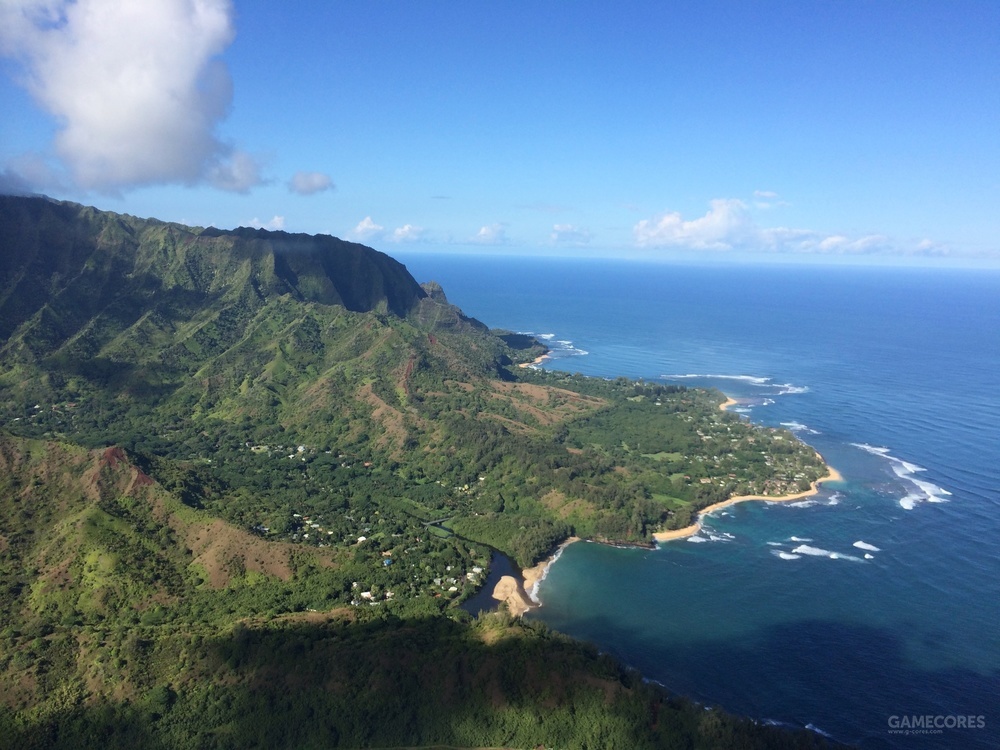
(132, 620)
(269, 377)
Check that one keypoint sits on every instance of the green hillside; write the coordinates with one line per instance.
(246, 477)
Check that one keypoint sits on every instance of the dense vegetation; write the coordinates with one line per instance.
(246, 473)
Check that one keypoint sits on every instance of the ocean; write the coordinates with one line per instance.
(870, 612)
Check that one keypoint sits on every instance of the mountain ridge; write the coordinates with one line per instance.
(235, 512)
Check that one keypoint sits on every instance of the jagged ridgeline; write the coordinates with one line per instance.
(243, 474)
(267, 377)
(226, 323)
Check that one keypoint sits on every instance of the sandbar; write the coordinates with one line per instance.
(509, 591)
(832, 475)
(517, 594)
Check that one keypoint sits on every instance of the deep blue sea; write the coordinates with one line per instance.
(852, 612)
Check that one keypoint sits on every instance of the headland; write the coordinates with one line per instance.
(665, 536)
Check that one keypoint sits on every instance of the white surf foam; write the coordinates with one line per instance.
(798, 539)
(724, 536)
(785, 555)
(805, 549)
(802, 504)
(557, 347)
(799, 427)
(533, 591)
(694, 538)
(869, 556)
(780, 389)
(817, 730)
(753, 379)
(865, 545)
(786, 388)
(905, 470)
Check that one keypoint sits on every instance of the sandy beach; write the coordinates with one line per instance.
(665, 536)
(516, 593)
(727, 403)
(509, 591)
(832, 475)
(536, 361)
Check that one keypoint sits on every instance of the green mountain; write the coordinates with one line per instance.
(246, 477)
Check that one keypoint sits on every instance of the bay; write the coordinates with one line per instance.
(852, 612)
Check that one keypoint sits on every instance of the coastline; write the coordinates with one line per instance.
(536, 361)
(519, 596)
(832, 475)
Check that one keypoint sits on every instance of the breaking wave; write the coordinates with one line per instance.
(785, 555)
(924, 491)
(867, 546)
(780, 389)
(558, 348)
(805, 549)
(799, 427)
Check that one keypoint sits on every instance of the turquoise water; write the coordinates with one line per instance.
(880, 597)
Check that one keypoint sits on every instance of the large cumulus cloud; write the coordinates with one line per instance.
(136, 88)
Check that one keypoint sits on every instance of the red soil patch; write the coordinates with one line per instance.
(112, 457)
(142, 480)
(222, 549)
(390, 418)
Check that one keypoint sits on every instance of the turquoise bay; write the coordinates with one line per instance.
(878, 598)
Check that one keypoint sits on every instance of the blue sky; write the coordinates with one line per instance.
(833, 130)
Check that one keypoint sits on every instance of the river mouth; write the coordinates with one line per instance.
(482, 600)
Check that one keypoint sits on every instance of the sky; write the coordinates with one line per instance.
(846, 131)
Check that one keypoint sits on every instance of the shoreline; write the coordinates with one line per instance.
(832, 475)
(536, 361)
(518, 595)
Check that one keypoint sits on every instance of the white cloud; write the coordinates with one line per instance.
(276, 224)
(767, 199)
(568, 234)
(841, 244)
(239, 174)
(407, 233)
(930, 247)
(729, 225)
(309, 183)
(367, 230)
(136, 88)
(493, 234)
